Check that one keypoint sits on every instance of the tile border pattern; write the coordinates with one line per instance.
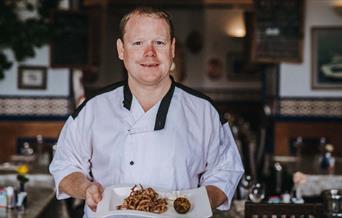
(306, 107)
(35, 106)
(63, 106)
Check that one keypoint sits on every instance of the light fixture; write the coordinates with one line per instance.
(337, 5)
(235, 27)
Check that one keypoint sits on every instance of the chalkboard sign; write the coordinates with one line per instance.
(69, 46)
(278, 31)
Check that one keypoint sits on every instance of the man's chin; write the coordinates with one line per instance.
(151, 80)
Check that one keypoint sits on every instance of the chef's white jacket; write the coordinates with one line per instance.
(180, 143)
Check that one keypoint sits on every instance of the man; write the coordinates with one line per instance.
(147, 130)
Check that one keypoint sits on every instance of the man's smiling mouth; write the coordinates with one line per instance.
(150, 65)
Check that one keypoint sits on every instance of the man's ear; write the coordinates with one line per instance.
(173, 47)
(120, 48)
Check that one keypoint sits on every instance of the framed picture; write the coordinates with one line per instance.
(32, 77)
(278, 31)
(326, 58)
(215, 68)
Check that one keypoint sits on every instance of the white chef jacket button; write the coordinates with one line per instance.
(131, 162)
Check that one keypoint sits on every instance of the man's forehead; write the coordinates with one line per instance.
(138, 18)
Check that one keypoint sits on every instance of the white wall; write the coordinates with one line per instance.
(212, 24)
(295, 79)
(218, 45)
(57, 79)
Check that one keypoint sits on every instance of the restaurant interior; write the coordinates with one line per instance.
(273, 68)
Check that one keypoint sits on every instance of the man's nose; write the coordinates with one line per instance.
(150, 50)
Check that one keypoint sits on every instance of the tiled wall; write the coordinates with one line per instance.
(35, 106)
(309, 107)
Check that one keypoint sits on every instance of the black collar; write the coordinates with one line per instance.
(163, 107)
(127, 96)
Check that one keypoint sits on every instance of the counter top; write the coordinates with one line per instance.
(10, 168)
(314, 185)
(38, 200)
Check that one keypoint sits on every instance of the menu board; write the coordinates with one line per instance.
(69, 46)
(278, 31)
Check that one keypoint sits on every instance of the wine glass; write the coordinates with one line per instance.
(246, 181)
(257, 193)
(246, 184)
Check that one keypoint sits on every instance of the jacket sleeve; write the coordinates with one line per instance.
(73, 150)
(224, 166)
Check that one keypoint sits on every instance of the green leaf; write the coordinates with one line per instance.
(22, 36)
(22, 178)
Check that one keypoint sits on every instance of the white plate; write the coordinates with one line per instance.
(114, 196)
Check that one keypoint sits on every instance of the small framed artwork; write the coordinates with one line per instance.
(32, 77)
(326, 59)
(215, 69)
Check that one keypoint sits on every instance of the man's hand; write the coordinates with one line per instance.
(78, 186)
(93, 195)
(216, 196)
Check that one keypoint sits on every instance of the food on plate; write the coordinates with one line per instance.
(182, 205)
(144, 200)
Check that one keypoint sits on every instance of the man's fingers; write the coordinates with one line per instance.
(101, 189)
(94, 195)
(97, 192)
(91, 204)
(97, 197)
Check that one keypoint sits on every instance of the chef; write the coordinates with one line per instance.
(147, 130)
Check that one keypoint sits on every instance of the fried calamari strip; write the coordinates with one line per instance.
(144, 200)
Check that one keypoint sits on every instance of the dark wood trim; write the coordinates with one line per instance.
(285, 131)
(279, 209)
(10, 130)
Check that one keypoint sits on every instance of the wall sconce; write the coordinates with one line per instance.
(337, 5)
(235, 27)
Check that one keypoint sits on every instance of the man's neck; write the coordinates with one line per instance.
(149, 95)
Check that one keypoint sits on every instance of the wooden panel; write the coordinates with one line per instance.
(278, 31)
(10, 130)
(283, 210)
(285, 131)
(70, 44)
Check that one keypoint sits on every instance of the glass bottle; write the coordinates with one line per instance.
(298, 145)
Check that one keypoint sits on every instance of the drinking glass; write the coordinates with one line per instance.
(246, 184)
(257, 193)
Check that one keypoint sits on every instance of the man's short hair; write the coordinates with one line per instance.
(149, 11)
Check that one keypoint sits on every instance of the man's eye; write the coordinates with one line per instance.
(160, 43)
(137, 43)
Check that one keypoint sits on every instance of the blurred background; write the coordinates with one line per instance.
(273, 68)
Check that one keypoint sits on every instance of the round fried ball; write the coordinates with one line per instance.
(182, 205)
